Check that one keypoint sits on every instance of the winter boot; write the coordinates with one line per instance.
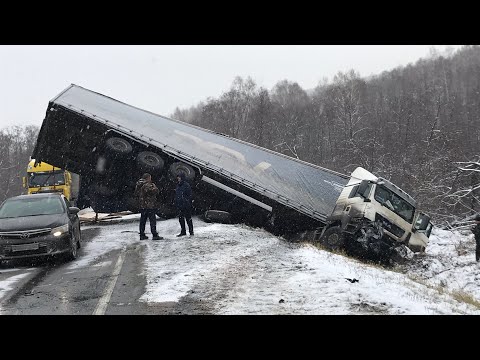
(190, 226)
(156, 237)
(143, 237)
(181, 234)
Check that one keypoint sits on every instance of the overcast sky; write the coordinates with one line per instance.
(159, 78)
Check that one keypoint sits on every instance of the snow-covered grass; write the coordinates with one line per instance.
(449, 265)
(239, 270)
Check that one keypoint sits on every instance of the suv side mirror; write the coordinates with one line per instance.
(73, 210)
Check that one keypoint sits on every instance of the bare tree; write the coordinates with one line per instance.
(16, 146)
(414, 125)
(467, 197)
(290, 103)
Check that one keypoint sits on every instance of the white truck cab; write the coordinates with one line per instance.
(368, 199)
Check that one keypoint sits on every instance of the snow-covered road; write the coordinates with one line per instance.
(235, 269)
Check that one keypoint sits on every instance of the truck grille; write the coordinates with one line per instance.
(389, 226)
(27, 234)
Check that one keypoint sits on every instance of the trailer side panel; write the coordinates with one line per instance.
(307, 188)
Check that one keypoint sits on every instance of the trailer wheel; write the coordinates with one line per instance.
(217, 216)
(118, 146)
(178, 167)
(333, 238)
(149, 162)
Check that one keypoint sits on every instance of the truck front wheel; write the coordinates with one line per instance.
(333, 238)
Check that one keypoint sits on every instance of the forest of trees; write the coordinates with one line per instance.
(16, 147)
(418, 125)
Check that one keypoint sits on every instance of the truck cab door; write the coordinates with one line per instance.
(358, 199)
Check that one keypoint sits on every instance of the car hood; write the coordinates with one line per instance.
(33, 222)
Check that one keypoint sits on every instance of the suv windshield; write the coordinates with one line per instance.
(31, 206)
(395, 203)
(47, 179)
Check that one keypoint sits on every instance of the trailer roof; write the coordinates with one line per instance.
(311, 189)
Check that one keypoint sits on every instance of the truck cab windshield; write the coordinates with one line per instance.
(46, 179)
(395, 203)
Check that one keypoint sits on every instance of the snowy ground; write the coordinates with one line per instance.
(235, 269)
(449, 263)
(8, 284)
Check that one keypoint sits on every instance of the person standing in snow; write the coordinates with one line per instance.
(476, 232)
(183, 202)
(146, 192)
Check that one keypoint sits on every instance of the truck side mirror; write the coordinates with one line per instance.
(24, 181)
(363, 189)
(422, 223)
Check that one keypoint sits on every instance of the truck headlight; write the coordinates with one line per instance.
(60, 230)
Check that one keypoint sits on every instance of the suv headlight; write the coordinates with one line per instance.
(60, 230)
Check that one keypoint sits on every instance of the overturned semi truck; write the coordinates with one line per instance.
(111, 144)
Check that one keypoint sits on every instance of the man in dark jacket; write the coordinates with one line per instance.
(476, 232)
(183, 202)
(146, 193)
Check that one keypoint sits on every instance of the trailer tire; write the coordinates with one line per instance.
(118, 146)
(333, 238)
(178, 167)
(217, 216)
(149, 162)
